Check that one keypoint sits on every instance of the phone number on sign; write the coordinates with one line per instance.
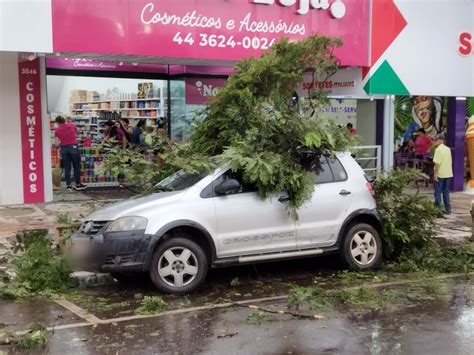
(221, 41)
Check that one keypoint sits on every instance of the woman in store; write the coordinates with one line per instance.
(115, 134)
(123, 129)
(66, 138)
(126, 126)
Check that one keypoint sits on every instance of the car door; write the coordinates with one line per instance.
(248, 224)
(320, 218)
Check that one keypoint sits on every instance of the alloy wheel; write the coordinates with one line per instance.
(363, 247)
(178, 266)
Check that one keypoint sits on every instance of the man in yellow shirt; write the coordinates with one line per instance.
(443, 172)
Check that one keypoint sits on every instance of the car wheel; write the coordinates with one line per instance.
(362, 247)
(178, 266)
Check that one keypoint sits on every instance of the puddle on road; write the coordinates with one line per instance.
(436, 323)
(21, 315)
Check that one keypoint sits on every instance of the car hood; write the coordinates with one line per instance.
(132, 206)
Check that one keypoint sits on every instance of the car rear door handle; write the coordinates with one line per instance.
(283, 198)
(344, 193)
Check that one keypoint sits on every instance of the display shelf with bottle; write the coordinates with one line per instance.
(148, 102)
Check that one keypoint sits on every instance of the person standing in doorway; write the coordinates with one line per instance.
(443, 172)
(66, 133)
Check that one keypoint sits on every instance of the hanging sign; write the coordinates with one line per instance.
(31, 131)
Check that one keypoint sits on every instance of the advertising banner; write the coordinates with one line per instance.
(200, 90)
(346, 82)
(207, 29)
(31, 131)
(422, 48)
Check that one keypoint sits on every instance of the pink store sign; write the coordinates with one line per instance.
(200, 90)
(31, 131)
(207, 29)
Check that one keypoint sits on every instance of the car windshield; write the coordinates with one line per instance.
(180, 180)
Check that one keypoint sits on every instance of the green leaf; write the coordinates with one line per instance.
(312, 140)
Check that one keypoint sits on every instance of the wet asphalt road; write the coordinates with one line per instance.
(439, 320)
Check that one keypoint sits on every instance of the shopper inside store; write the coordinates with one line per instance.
(66, 135)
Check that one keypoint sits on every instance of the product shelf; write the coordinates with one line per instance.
(105, 101)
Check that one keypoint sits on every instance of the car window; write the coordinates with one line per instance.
(244, 187)
(180, 180)
(337, 169)
(237, 175)
(323, 172)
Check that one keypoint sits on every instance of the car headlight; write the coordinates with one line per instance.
(126, 224)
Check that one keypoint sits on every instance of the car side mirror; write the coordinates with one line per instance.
(227, 187)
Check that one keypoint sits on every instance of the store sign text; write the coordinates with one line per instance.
(194, 19)
(328, 85)
(337, 8)
(31, 131)
(199, 91)
(466, 44)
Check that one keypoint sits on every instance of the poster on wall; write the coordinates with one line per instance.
(31, 131)
(427, 112)
(416, 112)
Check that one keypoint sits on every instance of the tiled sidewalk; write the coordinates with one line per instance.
(455, 227)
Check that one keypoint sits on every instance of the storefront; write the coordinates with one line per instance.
(422, 58)
(184, 49)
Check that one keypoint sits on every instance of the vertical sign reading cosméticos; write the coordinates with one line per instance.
(31, 132)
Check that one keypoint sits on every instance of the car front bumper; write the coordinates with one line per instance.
(111, 252)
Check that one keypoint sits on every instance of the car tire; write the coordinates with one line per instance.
(178, 265)
(362, 247)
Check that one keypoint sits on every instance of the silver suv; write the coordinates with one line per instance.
(197, 221)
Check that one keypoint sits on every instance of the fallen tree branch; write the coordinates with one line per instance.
(273, 311)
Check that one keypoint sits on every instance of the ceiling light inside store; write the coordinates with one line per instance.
(134, 64)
